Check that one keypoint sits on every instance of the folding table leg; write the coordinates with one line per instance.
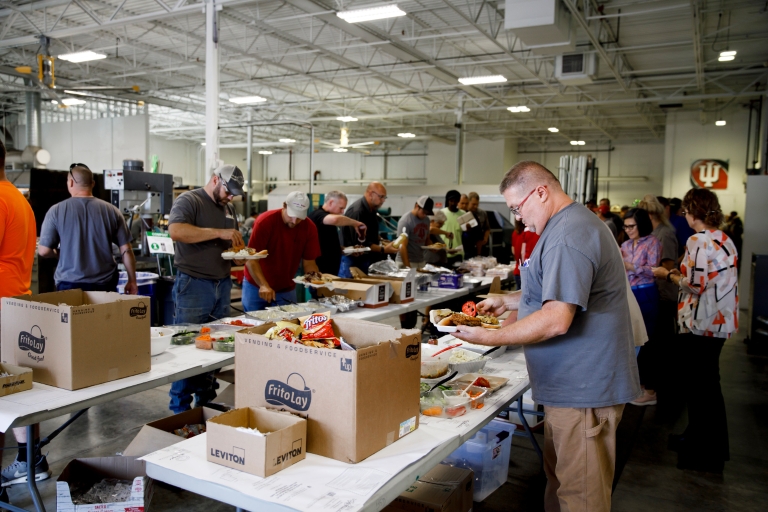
(528, 429)
(31, 484)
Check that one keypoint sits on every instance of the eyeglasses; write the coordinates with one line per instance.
(627, 227)
(684, 212)
(383, 198)
(72, 166)
(516, 209)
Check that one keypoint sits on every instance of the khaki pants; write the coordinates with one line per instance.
(580, 458)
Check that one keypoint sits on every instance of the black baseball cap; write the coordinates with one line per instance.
(426, 204)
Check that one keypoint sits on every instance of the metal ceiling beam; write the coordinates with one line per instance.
(697, 47)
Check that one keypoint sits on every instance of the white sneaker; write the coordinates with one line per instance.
(16, 473)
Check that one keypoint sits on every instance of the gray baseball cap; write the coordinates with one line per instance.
(233, 178)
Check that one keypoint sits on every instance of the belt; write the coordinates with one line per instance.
(644, 286)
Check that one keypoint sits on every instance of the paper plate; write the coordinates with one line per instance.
(227, 256)
(353, 250)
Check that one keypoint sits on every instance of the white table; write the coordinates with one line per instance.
(319, 483)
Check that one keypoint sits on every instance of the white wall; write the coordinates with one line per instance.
(688, 140)
(99, 143)
(441, 163)
(176, 157)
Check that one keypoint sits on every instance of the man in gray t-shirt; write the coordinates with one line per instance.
(415, 224)
(81, 231)
(203, 225)
(573, 319)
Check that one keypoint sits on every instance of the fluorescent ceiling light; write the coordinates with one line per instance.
(243, 100)
(577, 143)
(726, 58)
(70, 102)
(54, 102)
(720, 122)
(553, 129)
(340, 150)
(406, 135)
(346, 119)
(82, 56)
(375, 13)
(202, 143)
(521, 108)
(265, 152)
(287, 141)
(478, 80)
(729, 53)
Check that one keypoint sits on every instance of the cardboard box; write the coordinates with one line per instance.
(454, 281)
(159, 434)
(86, 472)
(403, 288)
(283, 444)
(75, 339)
(443, 489)
(356, 401)
(20, 379)
(496, 290)
(372, 295)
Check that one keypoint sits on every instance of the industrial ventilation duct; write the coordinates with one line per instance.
(544, 26)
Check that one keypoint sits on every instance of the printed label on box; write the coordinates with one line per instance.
(346, 365)
(407, 426)
(292, 393)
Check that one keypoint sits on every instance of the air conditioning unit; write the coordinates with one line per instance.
(576, 68)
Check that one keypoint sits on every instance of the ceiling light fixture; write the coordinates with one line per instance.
(288, 141)
(727, 55)
(479, 80)
(521, 108)
(406, 135)
(85, 56)
(71, 102)
(265, 152)
(720, 122)
(375, 13)
(340, 150)
(577, 143)
(346, 119)
(244, 100)
(54, 102)
(553, 129)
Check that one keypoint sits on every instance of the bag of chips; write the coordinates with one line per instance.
(317, 326)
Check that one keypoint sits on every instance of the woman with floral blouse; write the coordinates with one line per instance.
(641, 253)
(708, 314)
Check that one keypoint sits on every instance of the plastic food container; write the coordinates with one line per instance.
(455, 397)
(474, 364)
(268, 316)
(184, 338)
(223, 346)
(456, 410)
(203, 344)
(433, 367)
(477, 397)
(432, 406)
(160, 340)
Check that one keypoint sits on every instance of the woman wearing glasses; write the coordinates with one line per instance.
(642, 252)
(707, 315)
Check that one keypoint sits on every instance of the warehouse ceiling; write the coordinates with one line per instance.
(400, 74)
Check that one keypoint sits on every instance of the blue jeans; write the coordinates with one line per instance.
(348, 262)
(197, 301)
(252, 301)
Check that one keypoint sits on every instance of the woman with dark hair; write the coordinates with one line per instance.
(707, 315)
(641, 253)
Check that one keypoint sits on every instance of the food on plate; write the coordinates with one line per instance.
(239, 323)
(456, 410)
(446, 317)
(205, 330)
(482, 382)
(463, 356)
(244, 252)
(469, 308)
(316, 278)
(205, 341)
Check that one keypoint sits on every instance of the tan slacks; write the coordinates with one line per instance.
(580, 458)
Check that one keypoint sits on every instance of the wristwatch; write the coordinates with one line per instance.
(669, 277)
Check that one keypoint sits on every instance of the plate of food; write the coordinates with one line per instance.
(490, 382)
(355, 249)
(244, 253)
(434, 247)
(446, 320)
(315, 280)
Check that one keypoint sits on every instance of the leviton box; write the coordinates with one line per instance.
(75, 339)
(356, 401)
(279, 441)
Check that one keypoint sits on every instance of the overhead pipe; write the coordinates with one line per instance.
(33, 115)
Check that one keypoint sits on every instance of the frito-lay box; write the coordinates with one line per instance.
(356, 401)
(280, 440)
(75, 339)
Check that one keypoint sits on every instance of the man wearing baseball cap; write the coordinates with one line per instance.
(203, 224)
(289, 240)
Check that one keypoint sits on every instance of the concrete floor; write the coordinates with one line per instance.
(648, 479)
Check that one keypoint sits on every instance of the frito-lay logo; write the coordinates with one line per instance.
(412, 351)
(30, 342)
(139, 311)
(292, 393)
(314, 320)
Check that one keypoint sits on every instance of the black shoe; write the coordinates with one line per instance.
(4, 498)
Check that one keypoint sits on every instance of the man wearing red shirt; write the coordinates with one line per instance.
(523, 242)
(289, 240)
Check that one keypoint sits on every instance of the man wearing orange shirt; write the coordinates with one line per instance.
(18, 234)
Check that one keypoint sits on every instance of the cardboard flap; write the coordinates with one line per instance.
(357, 273)
(495, 285)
